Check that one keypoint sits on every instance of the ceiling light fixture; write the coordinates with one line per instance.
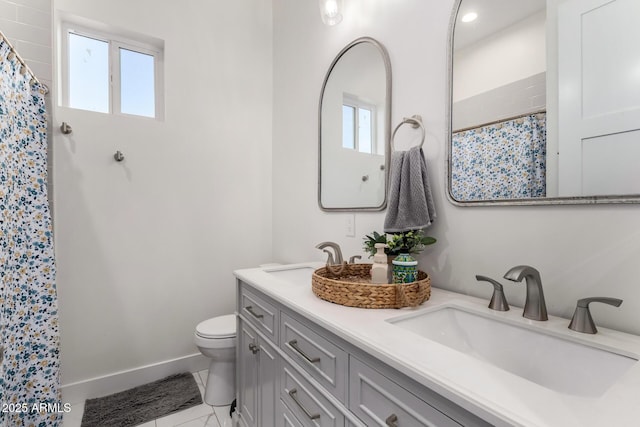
(331, 11)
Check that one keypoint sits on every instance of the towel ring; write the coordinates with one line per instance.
(415, 121)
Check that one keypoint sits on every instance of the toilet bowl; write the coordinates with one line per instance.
(216, 339)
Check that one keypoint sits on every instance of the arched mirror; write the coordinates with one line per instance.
(545, 102)
(354, 129)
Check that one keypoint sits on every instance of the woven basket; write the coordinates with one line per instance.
(353, 288)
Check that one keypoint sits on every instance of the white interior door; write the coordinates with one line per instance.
(599, 97)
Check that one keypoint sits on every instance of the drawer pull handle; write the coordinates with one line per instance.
(294, 345)
(311, 416)
(392, 420)
(249, 308)
(254, 348)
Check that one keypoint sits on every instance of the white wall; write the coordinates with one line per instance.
(146, 248)
(580, 250)
(512, 54)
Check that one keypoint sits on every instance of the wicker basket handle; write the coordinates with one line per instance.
(402, 299)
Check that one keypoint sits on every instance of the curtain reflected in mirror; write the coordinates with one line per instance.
(502, 160)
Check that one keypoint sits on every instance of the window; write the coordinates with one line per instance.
(137, 83)
(88, 73)
(108, 74)
(358, 125)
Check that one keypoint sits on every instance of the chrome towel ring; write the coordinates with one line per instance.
(415, 121)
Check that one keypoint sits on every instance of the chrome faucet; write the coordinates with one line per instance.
(336, 257)
(534, 306)
(582, 320)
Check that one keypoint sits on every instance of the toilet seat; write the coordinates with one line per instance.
(218, 327)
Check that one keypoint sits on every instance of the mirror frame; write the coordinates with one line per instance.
(387, 122)
(570, 200)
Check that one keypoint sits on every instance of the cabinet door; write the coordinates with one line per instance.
(267, 382)
(258, 378)
(247, 376)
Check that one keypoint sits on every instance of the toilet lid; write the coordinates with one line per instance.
(218, 327)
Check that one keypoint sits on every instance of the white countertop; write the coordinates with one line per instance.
(500, 397)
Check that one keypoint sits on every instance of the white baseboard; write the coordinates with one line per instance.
(119, 381)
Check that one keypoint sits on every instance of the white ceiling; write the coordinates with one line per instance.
(493, 16)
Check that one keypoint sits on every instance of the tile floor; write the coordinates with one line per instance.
(197, 416)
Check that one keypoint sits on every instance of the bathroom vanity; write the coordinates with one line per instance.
(303, 361)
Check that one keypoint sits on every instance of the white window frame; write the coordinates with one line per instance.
(355, 130)
(358, 103)
(115, 42)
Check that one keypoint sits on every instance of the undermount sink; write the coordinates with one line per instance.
(554, 362)
(300, 275)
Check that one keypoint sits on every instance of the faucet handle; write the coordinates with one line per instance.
(584, 302)
(582, 320)
(498, 300)
(353, 259)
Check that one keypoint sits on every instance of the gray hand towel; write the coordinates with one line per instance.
(410, 201)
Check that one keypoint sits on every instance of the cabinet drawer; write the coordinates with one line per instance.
(378, 401)
(285, 418)
(307, 403)
(260, 313)
(323, 360)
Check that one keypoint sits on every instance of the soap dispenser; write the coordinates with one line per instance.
(380, 268)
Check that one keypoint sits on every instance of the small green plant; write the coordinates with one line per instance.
(412, 242)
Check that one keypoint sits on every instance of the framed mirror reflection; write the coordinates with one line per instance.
(545, 102)
(354, 129)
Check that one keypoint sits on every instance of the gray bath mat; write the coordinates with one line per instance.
(144, 403)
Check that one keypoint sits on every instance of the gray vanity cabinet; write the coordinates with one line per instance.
(257, 377)
(294, 373)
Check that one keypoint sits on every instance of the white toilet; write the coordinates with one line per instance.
(216, 339)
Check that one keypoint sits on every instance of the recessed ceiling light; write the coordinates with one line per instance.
(471, 16)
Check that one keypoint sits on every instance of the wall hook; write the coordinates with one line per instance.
(118, 156)
(66, 128)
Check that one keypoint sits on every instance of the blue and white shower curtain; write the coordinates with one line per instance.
(29, 372)
(505, 160)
